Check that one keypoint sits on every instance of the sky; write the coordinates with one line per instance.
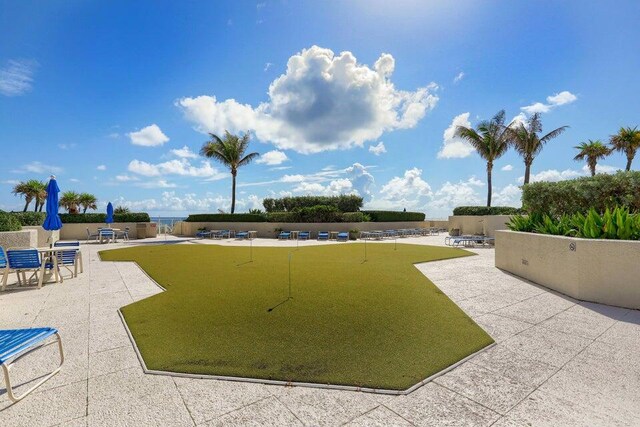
(116, 98)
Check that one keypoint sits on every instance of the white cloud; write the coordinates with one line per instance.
(10, 181)
(74, 180)
(102, 167)
(171, 201)
(160, 183)
(150, 136)
(180, 167)
(184, 152)
(39, 168)
(407, 189)
(322, 102)
(601, 169)
(361, 180)
(552, 175)
(267, 66)
(511, 195)
(114, 135)
(126, 178)
(506, 168)
(280, 168)
(458, 77)
(553, 101)
(378, 149)
(272, 158)
(452, 146)
(16, 77)
(450, 195)
(66, 146)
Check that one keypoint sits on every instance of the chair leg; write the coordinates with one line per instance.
(41, 276)
(7, 379)
(5, 276)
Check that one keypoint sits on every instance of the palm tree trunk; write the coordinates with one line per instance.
(233, 191)
(84, 211)
(629, 160)
(489, 168)
(592, 167)
(26, 205)
(527, 171)
(35, 208)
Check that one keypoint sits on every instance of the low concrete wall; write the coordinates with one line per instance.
(268, 229)
(79, 231)
(472, 224)
(602, 271)
(493, 223)
(19, 239)
(439, 223)
(43, 235)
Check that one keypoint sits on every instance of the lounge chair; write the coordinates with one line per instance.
(124, 235)
(203, 233)
(16, 343)
(24, 260)
(343, 236)
(4, 266)
(242, 235)
(284, 235)
(304, 235)
(71, 257)
(107, 233)
(323, 235)
(91, 235)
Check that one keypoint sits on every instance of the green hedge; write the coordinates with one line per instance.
(9, 222)
(484, 210)
(90, 218)
(344, 203)
(579, 195)
(29, 218)
(394, 216)
(241, 217)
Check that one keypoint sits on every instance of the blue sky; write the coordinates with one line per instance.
(116, 97)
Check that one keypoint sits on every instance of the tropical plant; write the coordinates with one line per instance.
(528, 143)
(626, 141)
(40, 194)
(592, 151)
(121, 210)
(490, 140)
(31, 190)
(87, 201)
(70, 201)
(230, 151)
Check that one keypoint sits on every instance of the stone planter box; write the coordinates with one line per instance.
(482, 224)
(602, 271)
(79, 231)
(19, 239)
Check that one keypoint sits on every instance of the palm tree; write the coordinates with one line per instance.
(121, 210)
(627, 141)
(40, 194)
(87, 201)
(70, 201)
(490, 140)
(527, 142)
(22, 189)
(230, 151)
(592, 151)
(31, 190)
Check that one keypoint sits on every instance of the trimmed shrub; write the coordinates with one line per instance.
(281, 217)
(343, 203)
(240, 217)
(579, 195)
(394, 216)
(9, 222)
(90, 218)
(484, 210)
(355, 217)
(29, 218)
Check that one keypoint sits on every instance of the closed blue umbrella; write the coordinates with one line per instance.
(52, 220)
(109, 219)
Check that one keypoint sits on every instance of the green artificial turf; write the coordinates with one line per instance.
(378, 324)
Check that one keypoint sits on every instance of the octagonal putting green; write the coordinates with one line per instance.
(378, 323)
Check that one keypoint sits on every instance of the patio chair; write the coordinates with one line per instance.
(17, 343)
(284, 235)
(91, 235)
(343, 236)
(203, 233)
(72, 257)
(107, 233)
(323, 235)
(4, 265)
(304, 235)
(240, 235)
(24, 260)
(124, 235)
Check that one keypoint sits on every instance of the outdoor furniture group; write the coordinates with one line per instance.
(227, 234)
(469, 240)
(107, 234)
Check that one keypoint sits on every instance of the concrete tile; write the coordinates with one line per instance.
(325, 407)
(127, 385)
(546, 346)
(379, 417)
(104, 337)
(267, 412)
(486, 303)
(490, 389)
(537, 309)
(621, 332)
(209, 399)
(579, 324)
(46, 408)
(499, 327)
(113, 360)
(502, 361)
(434, 405)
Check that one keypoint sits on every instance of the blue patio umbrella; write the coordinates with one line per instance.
(109, 219)
(52, 220)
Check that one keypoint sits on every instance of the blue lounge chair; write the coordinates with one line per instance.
(343, 236)
(71, 257)
(106, 233)
(24, 260)
(323, 235)
(4, 266)
(203, 233)
(284, 235)
(16, 343)
(304, 235)
(242, 235)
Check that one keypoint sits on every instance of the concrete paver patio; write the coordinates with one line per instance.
(557, 361)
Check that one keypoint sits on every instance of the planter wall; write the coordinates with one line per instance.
(472, 224)
(602, 271)
(267, 229)
(79, 231)
(19, 239)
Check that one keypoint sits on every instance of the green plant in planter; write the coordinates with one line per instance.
(353, 234)
(9, 222)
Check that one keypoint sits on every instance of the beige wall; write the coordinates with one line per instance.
(79, 231)
(603, 271)
(487, 224)
(42, 234)
(19, 239)
(439, 223)
(493, 223)
(267, 229)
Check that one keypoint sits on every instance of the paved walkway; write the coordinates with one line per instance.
(557, 362)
